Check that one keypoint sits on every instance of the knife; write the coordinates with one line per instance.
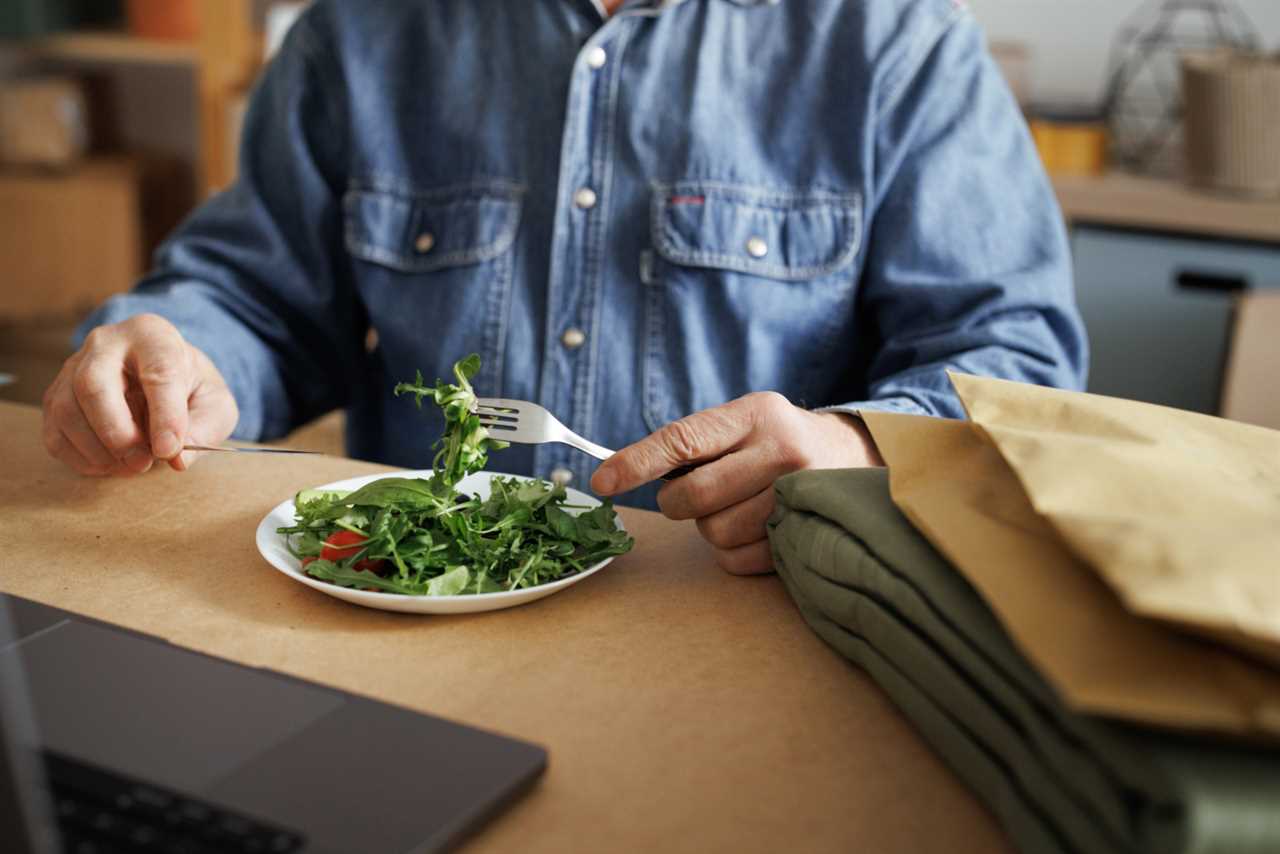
(247, 450)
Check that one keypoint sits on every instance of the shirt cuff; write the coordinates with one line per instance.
(887, 404)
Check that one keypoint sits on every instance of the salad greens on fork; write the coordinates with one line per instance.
(421, 537)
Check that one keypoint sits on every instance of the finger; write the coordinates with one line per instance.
(184, 460)
(741, 524)
(213, 411)
(721, 484)
(753, 559)
(212, 415)
(64, 424)
(101, 390)
(701, 436)
(159, 361)
(82, 437)
(76, 461)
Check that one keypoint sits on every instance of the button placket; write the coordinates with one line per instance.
(574, 300)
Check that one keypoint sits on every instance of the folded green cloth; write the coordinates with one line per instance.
(875, 590)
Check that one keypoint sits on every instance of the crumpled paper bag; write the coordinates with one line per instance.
(1178, 512)
(957, 490)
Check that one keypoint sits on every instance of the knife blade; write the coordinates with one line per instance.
(247, 450)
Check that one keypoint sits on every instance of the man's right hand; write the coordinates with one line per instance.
(136, 392)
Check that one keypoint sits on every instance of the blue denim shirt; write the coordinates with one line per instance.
(630, 219)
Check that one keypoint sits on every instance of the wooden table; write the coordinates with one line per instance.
(684, 709)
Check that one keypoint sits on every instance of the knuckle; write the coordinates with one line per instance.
(769, 401)
(85, 383)
(700, 492)
(53, 441)
(715, 530)
(699, 495)
(96, 337)
(790, 452)
(159, 372)
(682, 440)
(64, 410)
(149, 324)
(727, 561)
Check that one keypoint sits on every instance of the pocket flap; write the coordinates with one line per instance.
(781, 235)
(420, 232)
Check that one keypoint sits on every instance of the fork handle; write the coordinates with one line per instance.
(600, 452)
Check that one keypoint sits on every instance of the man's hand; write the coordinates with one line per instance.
(751, 442)
(136, 392)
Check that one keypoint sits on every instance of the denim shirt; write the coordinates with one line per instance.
(630, 218)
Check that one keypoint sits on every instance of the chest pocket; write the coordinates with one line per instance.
(749, 289)
(422, 232)
(425, 259)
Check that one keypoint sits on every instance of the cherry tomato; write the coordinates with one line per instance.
(343, 544)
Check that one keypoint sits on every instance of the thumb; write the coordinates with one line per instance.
(212, 413)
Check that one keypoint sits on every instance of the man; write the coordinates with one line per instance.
(637, 216)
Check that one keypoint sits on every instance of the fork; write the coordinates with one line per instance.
(528, 423)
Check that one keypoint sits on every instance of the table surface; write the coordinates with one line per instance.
(683, 709)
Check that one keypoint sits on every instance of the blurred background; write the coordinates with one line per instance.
(1159, 122)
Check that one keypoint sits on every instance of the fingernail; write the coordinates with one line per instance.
(137, 460)
(165, 446)
(183, 461)
(604, 481)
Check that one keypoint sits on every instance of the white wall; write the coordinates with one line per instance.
(1070, 40)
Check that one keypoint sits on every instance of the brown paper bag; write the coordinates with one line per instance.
(1179, 512)
(1100, 658)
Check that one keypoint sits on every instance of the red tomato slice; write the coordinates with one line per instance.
(341, 545)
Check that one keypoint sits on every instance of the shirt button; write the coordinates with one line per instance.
(596, 57)
(425, 242)
(561, 476)
(757, 248)
(573, 338)
(585, 198)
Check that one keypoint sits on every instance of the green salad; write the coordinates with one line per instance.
(422, 537)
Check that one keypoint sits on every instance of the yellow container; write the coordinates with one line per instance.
(1071, 146)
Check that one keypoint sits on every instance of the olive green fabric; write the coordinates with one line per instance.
(1059, 782)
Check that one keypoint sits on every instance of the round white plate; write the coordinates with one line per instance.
(272, 547)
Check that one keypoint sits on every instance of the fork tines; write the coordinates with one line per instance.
(497, 417)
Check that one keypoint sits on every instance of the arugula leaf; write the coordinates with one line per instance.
(426, 539)
(464, 447)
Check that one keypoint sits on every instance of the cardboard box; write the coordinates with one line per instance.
(44, 121)
(69, 240)
(1251, 392)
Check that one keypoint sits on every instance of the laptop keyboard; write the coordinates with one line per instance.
(99, 812)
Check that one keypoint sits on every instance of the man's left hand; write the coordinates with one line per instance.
(750, 442)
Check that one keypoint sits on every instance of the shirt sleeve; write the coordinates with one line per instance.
(256, 277)
(968, 267)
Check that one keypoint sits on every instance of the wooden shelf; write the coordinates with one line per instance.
(1153, 204)
(114, 47)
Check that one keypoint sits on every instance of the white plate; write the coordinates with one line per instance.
(272, 547)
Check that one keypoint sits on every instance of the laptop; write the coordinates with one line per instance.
(112, 741)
